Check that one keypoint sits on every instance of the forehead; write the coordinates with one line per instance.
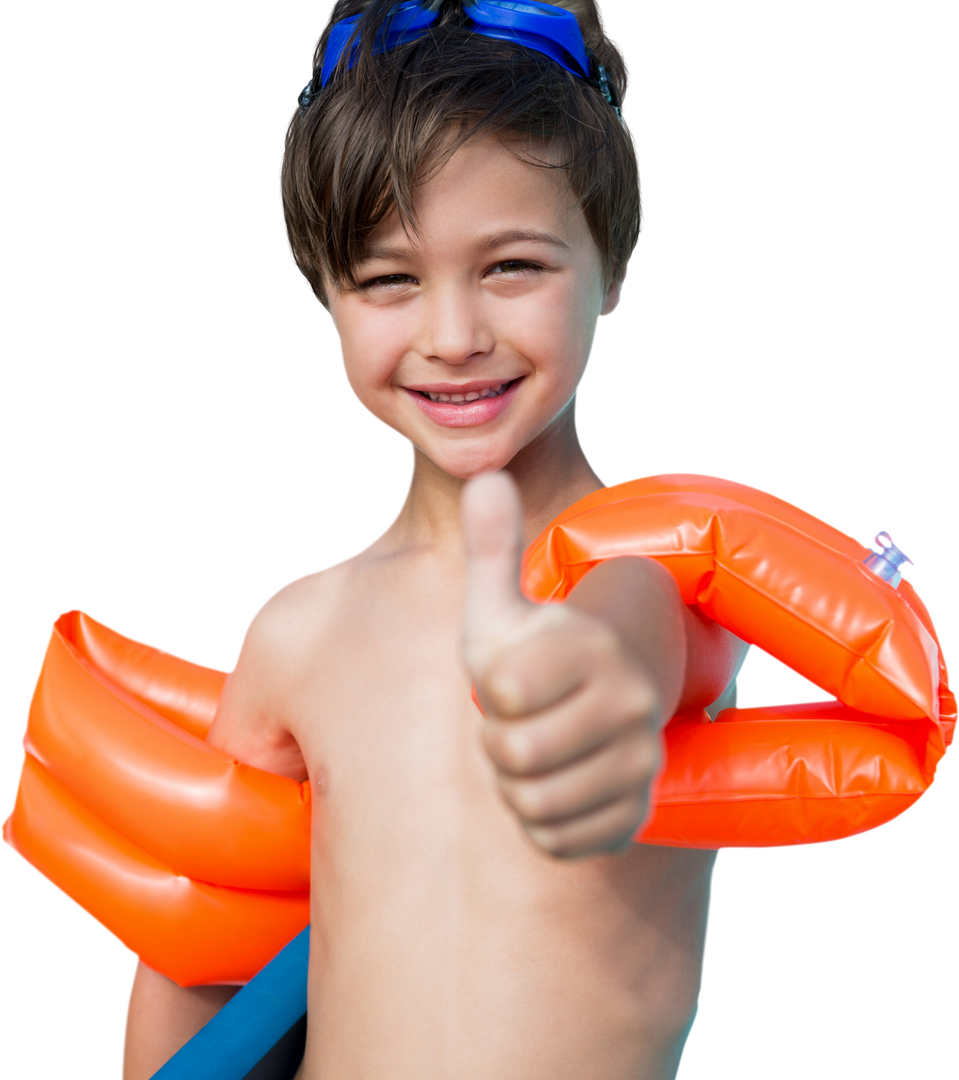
(487, 188)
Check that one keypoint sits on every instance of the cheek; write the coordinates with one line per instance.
(558, 332)
(371, 354)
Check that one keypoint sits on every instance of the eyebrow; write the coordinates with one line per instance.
(484, 244)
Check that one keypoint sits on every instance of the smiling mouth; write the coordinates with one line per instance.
(470, 396)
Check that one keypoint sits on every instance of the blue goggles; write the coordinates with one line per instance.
(545, 28)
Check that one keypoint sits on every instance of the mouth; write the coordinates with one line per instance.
(466, 405)
(466, 396)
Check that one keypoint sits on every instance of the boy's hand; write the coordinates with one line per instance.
(572, 719)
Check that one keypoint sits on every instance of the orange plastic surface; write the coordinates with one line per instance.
(201, 864)
(782, 580)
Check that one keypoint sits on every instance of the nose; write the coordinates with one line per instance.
(455, 327)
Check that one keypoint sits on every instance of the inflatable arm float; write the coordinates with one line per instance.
(200, 864)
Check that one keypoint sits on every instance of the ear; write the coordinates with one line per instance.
(613, 293)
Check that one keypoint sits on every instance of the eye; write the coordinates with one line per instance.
(386, 281)
(513, 268)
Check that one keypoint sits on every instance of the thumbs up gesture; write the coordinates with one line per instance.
(572, 715)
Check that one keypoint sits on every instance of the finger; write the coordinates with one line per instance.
(493, 530)
(563, 650)
(611, 828)
(592, 812)
(553, 739)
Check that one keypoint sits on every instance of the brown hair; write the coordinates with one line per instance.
(357, 148)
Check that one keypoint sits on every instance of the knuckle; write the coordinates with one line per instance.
(493, 742)
(532, 802)
(552, 841)
(515, 751)
(503, 690)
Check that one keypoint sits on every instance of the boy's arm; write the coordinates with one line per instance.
(164, 1016)
(731, 699)
(576, 694)
(715, 658)
(250, 717)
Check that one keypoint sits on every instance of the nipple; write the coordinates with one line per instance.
(886, 563)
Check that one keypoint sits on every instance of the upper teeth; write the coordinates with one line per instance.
(473, 395)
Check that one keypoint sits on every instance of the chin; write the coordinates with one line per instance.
(470, 462)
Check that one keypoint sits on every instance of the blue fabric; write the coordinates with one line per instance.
(249, 1026)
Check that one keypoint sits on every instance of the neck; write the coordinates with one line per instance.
(551, 472)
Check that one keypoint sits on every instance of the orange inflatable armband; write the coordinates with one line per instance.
(201, 864)
(780, 579)
(197, 863)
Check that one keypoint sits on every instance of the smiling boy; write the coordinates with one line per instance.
(465, 207)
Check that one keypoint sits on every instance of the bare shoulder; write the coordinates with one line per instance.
(287, 629)
(253, 719)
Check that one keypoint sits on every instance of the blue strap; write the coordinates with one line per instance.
(244, 1031)
(546, 28)
(407, 22)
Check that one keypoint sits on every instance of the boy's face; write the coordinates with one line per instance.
(471, 337)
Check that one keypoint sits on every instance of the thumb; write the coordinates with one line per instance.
(492, 527)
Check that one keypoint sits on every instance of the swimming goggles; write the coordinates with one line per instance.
(544, 28)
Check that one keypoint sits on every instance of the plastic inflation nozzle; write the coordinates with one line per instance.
(886, 563)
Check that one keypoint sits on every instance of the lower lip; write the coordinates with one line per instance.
(467, 414)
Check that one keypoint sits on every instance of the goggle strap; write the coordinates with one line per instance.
(544, 28)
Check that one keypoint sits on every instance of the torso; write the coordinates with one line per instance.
(444, 945)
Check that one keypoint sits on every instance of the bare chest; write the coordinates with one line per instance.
(430, 901)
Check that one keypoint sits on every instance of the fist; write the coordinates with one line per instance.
(572, 721)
